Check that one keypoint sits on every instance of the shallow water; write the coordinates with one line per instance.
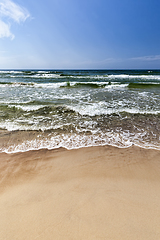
(75, 108)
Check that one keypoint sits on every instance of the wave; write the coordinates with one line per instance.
(33, 108)
(107, 77)
(144, 85)
(47, 108)
(68, 84)
(85, 84)
(101, 109)
(63, 84)
(15, 84)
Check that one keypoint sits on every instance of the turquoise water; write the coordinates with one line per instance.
(75, 108)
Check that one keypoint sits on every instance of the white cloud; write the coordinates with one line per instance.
(5, 30)
(9, 12)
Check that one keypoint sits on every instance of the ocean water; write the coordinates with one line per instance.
(79, 108)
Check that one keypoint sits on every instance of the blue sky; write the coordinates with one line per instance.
(74, 34)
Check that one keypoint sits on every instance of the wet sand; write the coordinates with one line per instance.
(90, 193)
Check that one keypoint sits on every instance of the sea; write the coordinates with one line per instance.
(79, 108)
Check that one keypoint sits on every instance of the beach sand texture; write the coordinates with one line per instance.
(88, 193)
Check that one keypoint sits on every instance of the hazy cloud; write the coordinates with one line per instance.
(148, 58)
(9, 12)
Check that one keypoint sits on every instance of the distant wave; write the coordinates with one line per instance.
(70, 84)
(93, 75)
(144, 85)
(17, 83)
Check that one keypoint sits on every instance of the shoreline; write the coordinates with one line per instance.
(101, 192)
(25, 147)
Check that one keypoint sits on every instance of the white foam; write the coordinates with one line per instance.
(28, 107)
(17, 84)
(125, 76)
(73, 141)
(5, 71)
(101, 107)
(46, 75)
(49, 85)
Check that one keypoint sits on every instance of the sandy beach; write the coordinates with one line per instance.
(89, 193)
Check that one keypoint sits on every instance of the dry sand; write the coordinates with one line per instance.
(89, 193)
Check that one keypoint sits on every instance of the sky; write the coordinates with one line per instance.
(80, 34)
